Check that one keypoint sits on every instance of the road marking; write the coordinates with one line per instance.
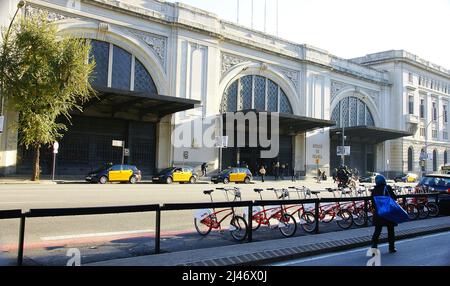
(325, 256)
(98, 234)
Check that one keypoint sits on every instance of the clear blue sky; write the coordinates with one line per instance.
(350, 28)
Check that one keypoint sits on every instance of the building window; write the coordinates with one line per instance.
(121, 69)
(434, 134)
(261, 92)
(422, 132)
(411, 104)
(434, 111)
(444, 111)
(445, 135)
(142, 79)
(410, 158)
(422, 108)
(410, 78)
(100, 52)
(434, 160)
(445, 157)
(351, 111)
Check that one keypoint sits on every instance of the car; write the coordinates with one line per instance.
(406, 178)
(176, 174)
(439, 183)
(370, 178)
(115, 173)
(237, 175)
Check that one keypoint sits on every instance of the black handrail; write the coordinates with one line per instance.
(34, 213)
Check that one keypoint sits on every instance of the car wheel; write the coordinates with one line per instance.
(192, 180)
(169, 180)
(247, 180)
(133, 180)
(226, 181)
(103, 180)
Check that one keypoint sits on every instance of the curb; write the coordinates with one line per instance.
(282, 254)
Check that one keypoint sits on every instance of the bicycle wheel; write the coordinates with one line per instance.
(328, 216)
(433, 209)
(412, 211)
(423, 211)
(359, 217)
(238, 228)
(308, 222)
(344, 219)
(287, 225)
(202, 227)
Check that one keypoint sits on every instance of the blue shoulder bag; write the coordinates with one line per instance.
(389, 209)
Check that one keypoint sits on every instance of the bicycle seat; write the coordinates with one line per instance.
(346, 191)
(329, 189)
(208, 192)
(258, 190)
(315, 192)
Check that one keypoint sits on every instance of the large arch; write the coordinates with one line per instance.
(264, 70)
(122, 39)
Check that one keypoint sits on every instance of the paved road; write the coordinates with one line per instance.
(131, 230)
(431, 250)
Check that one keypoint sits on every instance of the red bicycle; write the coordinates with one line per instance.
(207, 219)
(305, 214)
(284, 221)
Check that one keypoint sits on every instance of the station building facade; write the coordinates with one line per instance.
(161, 65)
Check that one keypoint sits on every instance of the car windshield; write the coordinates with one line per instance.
(165, 171)
(436, 182)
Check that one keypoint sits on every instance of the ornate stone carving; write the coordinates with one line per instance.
(229, 61)
(156, 42)
(292, 75)
(337, 87)
(52, 16)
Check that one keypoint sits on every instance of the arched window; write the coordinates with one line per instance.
(445, 157)
(410, 159)
(123, 72)
(255, 92)
(434, 160)
(351, 111)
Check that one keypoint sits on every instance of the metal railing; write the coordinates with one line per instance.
(59, 212)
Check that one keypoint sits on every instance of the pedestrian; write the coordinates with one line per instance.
(262, 172)
(283, 168)
(204, 167)
(277, 171)
(379, 190)
(319, 175)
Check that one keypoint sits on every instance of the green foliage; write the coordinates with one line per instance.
(43, 75)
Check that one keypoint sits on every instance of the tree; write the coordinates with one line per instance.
(43, 76)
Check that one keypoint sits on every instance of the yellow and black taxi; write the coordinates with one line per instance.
(115, 173)
(237, 175)
(176, 174)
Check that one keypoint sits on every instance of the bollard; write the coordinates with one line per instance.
(158, 231)
(21, 240)
(316, 214)
(250, 223)
(366, 211)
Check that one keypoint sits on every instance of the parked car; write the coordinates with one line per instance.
(439, 183)
(369, 178)
(237, 175)
(406, 178)
(176, 174)
(115, 173)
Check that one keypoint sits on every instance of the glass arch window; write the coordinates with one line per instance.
(352, 111)
(123, 71)
(410, 158)
(255, 92)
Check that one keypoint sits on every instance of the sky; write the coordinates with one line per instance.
(349, 28)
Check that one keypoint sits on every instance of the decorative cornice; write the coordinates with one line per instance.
(338, 86)
(52, 15)
(292, 75)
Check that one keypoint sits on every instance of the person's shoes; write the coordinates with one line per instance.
(392, 250)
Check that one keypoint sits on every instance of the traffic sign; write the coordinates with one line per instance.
(221, 141)
(55, 147)
(117, 143)
(343, 150)
(186, 155)
(126, 152)
(2, 120)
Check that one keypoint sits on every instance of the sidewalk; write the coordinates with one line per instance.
(281, 249)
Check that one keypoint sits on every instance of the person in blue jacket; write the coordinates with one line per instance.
(378, 221)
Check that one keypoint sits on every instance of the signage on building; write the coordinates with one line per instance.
(117, 143)
(317, 155)
(343, 150)
(221, 141)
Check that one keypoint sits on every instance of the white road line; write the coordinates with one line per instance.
(353, 251)
(98, 234)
